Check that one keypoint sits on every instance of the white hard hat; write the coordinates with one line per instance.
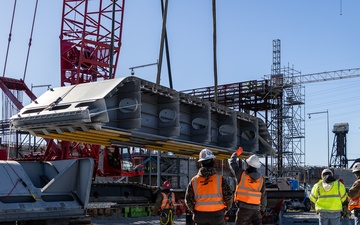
(356, 167)
(253, 161)
(326, 171)
(205, 154)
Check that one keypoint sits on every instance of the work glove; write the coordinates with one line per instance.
(239, 151)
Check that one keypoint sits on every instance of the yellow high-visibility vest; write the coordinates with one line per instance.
(328, 201)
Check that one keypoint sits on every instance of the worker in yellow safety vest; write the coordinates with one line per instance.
(165, 204)
(250, 193)
(208, 195)
(354, 194)
(328, 195)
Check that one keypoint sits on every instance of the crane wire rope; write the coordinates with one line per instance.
(9, 39)
(163, 31)
(167, 51)
(214, 50)
(30, 39)
(340, 7)
(334, 91)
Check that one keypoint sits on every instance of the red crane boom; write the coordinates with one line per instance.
(90, 40)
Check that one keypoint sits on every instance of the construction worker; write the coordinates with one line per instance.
(328, 195)
(354, 194)
(208, 195)
(165, 204)
(250, 193)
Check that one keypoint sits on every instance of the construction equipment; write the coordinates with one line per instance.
(273, 214)
(89, 49)
(295, 196)
(90, 43)
(284, 194)
(45, 191)
(278, 99)
(130, 111)
(90, 40)
(264, 98)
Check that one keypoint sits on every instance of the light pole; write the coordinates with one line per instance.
(327, 119)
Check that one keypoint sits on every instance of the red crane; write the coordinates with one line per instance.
(90, 41)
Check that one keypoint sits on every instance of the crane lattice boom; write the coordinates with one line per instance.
(323, 76)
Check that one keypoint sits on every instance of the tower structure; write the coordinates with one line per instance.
(287, 116)
(277, 118)
(338, 158)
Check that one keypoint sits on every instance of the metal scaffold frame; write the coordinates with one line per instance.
(287, 123)
(279, 100)
(287, 117)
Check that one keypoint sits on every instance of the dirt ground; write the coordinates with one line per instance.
(289, 218)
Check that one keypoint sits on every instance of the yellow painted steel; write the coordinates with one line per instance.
(106, 137)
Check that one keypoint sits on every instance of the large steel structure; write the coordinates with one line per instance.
(90, 43)
(279, 99)
(280, 104)
(133, 112)
(287, 122)
(37, 191)
(90, 40)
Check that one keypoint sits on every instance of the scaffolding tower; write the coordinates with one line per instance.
(279, 100)
(287, 117)
(286, 123)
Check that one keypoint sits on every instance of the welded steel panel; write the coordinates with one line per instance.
(44, 190)
(134, 112)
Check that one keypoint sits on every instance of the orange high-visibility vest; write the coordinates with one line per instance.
(248, 190)
(208, 193)
(354, 203)
(166, 202)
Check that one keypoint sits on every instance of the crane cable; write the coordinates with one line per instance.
(167, 51)
(30, 39)
(10, 34)
(340, 7)
(9, 39)
(214, 50)
(163, 31)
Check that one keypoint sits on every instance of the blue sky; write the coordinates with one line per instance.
(316, 36)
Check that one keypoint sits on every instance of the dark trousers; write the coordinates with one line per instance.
(246, 216)
(209, 218)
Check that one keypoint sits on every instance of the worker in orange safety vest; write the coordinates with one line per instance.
(354, 194)
(208, 195)
(250, 192)
(165, 205)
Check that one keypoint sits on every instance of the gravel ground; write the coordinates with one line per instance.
(289, 218)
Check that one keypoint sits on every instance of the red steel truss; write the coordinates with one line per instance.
(90, 40)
